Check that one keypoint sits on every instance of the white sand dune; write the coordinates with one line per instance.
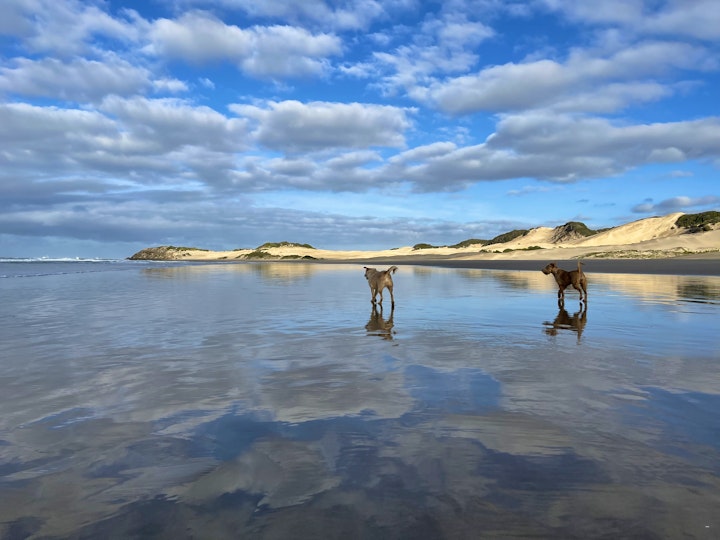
(655, 237)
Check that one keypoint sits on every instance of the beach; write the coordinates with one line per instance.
(648, 246)
(687, 266)
(171, 399)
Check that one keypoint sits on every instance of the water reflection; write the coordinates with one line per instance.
(246, 400)
(378, 325)
(698, 290)
(283, 273)
(564, 321)
(657, 287)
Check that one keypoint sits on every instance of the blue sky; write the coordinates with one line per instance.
(366, 124)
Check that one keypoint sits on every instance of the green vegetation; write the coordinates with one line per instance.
(424, 246)
(184, 248)
(698, 222)
(508, 236)
(579, 228)
(283, 244)
(470, 242)
(529, 248)
(258, 254)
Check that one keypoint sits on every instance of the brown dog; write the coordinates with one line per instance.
(564, 279)
(379, 280)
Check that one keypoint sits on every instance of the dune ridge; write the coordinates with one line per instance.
(653, 237)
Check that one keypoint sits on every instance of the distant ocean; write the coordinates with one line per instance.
(11, 267)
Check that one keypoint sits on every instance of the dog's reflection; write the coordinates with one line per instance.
(564, 321)
(378, 325)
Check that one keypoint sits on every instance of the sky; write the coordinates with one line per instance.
(366, 124)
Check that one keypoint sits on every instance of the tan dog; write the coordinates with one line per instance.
(379, 280)
(564, 279)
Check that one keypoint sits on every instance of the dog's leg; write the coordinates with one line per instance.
(582, 281)
(392, 297)
(579, 286)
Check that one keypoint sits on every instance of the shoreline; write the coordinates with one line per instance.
(657, 245)
(691, 266)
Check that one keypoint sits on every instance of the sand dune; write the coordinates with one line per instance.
(655, 237)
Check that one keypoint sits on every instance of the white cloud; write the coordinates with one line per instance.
(562, 148)
(293, 126)
(697, 18)
(172, 86)
(423, 153)
(626, 145)
(32, 136)
(199, 37)
(586, 82)
(441, 46)
(342, 15)
(168, 116)
(274, 51)
(144, 141)
(66, 28)
(79, 80)
(207, 83)
(692, 18)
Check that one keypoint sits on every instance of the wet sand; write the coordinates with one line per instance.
(270, 400)
(682, 266)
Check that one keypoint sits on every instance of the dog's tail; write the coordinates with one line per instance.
(580, 265)
(392, 270)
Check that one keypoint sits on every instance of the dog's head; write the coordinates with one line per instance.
(549, 269)
(369, 272)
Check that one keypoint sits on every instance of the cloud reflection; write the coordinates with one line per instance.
(222, 401)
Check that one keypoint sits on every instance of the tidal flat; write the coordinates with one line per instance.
(270, 400)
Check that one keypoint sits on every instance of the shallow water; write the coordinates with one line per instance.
(270, 401)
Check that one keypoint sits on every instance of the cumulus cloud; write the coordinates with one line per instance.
(343, 15)
(698, 18)
(145, 141)
(259, 51)
(442, 46)
(560, 148)
(79, 80)
(67, 28)
(586, 82)
(293, 126)
(158, 125)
